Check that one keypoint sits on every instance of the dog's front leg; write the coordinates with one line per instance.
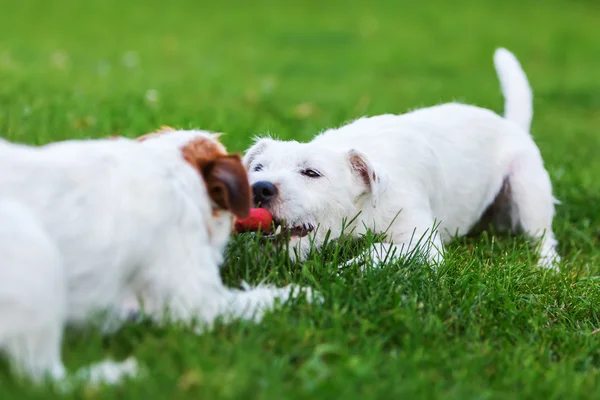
(376, 256)
(252, 302)
(422, 239)
(380, 254)
(206, 302)
(192, 292)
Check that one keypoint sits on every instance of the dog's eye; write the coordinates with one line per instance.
(311, 173)
(257, 168)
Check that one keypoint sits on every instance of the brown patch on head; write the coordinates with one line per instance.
(202, 150)
(225, 177)
(160, 131)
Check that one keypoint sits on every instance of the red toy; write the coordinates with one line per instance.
(259, 218)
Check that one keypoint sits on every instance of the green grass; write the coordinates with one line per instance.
(488, 325)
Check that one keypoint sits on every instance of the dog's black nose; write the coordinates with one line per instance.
(263, 192)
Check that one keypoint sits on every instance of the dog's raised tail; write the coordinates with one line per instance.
(518, 98)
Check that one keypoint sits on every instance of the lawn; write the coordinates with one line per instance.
(487, 325)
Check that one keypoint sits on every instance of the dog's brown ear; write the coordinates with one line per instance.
(224, 174)
(227, 184)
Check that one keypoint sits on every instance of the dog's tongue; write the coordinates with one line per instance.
(259, 219)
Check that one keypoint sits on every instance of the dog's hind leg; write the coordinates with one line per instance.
(533, 204)
(32, 295)
(36, 353)
(33, 304)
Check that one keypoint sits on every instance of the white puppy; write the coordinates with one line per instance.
(93, 222)
(423, 177)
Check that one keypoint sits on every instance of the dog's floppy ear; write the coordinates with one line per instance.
(227, 184)
(257, 148)
(224, 175)
(364, 171)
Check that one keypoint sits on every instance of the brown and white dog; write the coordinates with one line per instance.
(89, 225)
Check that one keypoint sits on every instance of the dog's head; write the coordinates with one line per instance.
(310, 189)
(224, 175)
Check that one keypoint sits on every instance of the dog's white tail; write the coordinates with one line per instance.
(518, 98)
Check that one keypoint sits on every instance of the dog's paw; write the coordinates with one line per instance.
(109, 372)
(549, 262)
(286, 293)
(295, 291)
(364, 261)
(253, 302)
(382, 254)
(104, 373)
(375, 258)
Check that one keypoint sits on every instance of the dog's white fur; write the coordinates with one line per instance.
(423, 177)
(86, 224)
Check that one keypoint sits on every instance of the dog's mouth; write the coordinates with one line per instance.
(282, 229)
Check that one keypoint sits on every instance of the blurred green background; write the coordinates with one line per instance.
(90, 69)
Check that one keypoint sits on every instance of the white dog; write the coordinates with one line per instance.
(90, 223)
(423, 177)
